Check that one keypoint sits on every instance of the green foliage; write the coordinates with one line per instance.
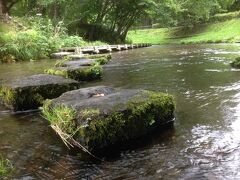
(5, 167)
(42, 39)
(225, 16)
(187, 13)
(25, 45)
(236, 63)
(62, 117)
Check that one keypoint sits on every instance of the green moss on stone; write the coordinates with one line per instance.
(97, 56)
(138, 118)
(31, 97)
(141, 114)
(236, 63)
(102, 60)
(79, 74)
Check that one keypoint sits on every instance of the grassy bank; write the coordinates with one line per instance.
(34, 38)
(216, 32)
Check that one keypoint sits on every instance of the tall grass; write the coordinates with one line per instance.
(5, 167)
(38, 39)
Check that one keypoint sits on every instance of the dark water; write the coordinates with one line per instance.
(204, 144)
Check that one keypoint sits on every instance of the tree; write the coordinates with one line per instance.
(187, 13)
(110, 20)
(6, 5)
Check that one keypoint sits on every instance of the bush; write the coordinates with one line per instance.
(26, 45)
(39, 41)
(225, 16)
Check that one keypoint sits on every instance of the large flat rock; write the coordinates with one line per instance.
(99, 117)
(30, 92)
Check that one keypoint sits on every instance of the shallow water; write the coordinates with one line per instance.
(204, 143)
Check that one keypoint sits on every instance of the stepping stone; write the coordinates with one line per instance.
(76, 57)
(78, 73)
(29, 92)
(100, 117)
(60, 55)
(81, 62)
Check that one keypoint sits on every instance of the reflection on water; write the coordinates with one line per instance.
(204, 144)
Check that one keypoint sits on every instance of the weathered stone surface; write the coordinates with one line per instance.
(96, 56)
(79, 73)
(80, 62)
(60, 55)
(103, 116)
(30, 92)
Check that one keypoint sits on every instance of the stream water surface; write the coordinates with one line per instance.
(205, 140)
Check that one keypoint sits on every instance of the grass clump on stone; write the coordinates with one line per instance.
(62, 120)
(5, 167)
(236, 63)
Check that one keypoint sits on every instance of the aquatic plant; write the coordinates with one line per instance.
(5, 167)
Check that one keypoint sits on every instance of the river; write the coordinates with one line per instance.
(205, 140)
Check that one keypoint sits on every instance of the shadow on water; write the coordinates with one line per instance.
(204, 143)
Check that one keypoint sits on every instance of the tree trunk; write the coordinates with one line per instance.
(3, 11)
(1, 8)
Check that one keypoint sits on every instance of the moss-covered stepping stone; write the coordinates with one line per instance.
(82, 61)
(77, 63)
(29, 92)
(79, 73)
(96, 56)
(99, 117)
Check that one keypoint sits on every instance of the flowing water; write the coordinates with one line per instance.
(205, 140)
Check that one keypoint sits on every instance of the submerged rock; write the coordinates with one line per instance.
(99, 117)
(30, 92)
(79, 73)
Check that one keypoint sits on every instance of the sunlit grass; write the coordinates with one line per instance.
(227, 31)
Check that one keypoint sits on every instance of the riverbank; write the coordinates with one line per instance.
(227, 31)
(33, 38)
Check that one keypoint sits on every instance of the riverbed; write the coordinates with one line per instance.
(204, 143)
